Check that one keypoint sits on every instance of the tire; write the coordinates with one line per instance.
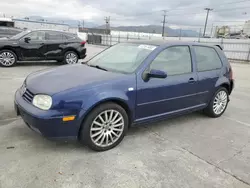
(7, 58)
(223, 96)
(99, 137)
(70, 57)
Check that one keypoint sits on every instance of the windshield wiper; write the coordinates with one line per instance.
(98, 67)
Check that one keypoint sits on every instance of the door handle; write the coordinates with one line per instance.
(191, 80)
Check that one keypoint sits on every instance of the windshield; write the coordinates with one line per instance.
(124, 57)
(20, 35)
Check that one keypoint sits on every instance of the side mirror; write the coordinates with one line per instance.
(153, 73)
(27, 39)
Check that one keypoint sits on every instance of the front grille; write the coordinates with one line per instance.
(28, 95)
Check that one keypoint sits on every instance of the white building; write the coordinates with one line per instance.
(30, 24)
(246, 28)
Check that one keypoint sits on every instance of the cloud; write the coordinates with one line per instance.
(180, 13)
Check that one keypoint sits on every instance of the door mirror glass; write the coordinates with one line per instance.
(153, 73)
(27, 39)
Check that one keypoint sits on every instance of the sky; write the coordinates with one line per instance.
(180, 13)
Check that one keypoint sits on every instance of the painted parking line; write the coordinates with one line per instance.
(12, 78)
(9, 119)
(235, 120)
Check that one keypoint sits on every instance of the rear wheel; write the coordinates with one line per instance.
(70, 57)
(218, 104)
(105, 127)
(7, 58)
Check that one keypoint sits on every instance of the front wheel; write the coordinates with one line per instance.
(218, 104)
(105, 127)
(7, 58)
(70, 57)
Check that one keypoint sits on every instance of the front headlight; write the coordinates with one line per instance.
(43, 102)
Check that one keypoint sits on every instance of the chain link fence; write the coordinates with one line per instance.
(235, 49)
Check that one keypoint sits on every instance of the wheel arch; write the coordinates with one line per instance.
(73, 50)
(224, 82)
(117, 101)
(227, 86)
(10, 49)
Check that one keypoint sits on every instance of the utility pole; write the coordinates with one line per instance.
(83, 24)
(208, 10)
(79, 24)
(180, 34)
(107, 22)
(163, 22)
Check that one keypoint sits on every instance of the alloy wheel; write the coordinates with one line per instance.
(220, 102)
(7, 59)
(71, 58)
(107, 128)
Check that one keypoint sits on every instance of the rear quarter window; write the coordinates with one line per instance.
(207, 58)
(68, 37)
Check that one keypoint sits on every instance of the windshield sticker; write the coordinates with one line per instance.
(147, 47)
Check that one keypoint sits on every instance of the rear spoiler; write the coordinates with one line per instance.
(219, 46)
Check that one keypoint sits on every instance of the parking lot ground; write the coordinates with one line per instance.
(188, 152)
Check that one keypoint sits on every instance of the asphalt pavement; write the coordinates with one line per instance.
(191, 151)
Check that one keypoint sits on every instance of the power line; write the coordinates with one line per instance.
(235, 8)
(234, 2)
(216, 10)
(228, 21)
(183, 8)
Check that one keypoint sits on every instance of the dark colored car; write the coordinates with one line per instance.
(6, 32)
(127, 84)
(41, 45)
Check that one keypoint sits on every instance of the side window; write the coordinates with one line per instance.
(207, 58)
(54, 35)
(174, 61)
(36, 35)
(68, 37)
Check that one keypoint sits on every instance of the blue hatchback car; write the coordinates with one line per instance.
(125, 85)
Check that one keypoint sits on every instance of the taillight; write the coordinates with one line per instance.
(83, 42)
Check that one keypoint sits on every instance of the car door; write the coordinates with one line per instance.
(32, 46)
(55, 44)
(174, 94)
(209, 70)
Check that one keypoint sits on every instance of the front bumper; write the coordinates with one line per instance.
(47, 123)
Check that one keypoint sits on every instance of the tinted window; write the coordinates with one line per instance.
(36, 35)
(68, 37)
(20, 35)
(54, 36)
(174, 60)
(207, 58)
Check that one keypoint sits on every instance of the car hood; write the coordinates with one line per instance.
(55, 80)
(7, 41)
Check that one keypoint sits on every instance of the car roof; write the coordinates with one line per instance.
(66, 32)
(168, 42)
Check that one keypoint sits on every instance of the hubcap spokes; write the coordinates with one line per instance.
(220, 102)
(71, 58)
(107, 128)
(7, 58)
